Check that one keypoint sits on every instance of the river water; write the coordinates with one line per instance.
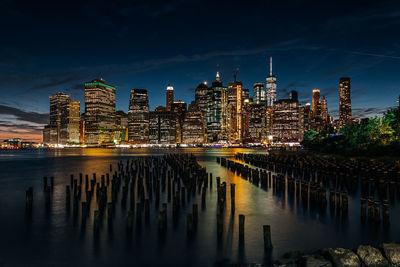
(55, 237)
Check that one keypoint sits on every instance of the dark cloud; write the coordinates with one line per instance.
(299, 86)
(368, 112)
(21, 115)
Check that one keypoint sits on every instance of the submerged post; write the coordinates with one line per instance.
(267, 237)
(232, 198)
(241, 228)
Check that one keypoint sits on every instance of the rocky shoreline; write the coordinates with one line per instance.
(387, 254)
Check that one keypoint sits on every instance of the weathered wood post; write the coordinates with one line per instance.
(183, 196)
(189, 223)
(29, 199)
(138, 215)
(219, 224)
(129, 221)
(147, 210)
(195, 214)
(370, 209)
(67, 194)
(241, 228)
(386, 214)
(44, 182)
(162, 218)
(363, 208)
(84, 212)
(232, 198)
(267, 237)
(377, 212)
(109, 212)
(96, 221)
(47, 195)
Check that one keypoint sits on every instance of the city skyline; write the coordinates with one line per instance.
(176, 99)
(219, 114)
(319, 44)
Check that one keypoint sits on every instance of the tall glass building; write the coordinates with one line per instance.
(64, 121)
(217, 112)
(99, 112)
(258, 93)
(138, 117)
(344, 101)
(270, 85)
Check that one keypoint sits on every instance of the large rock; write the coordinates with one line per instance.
(392, 253)
(342, 257)
(371, 256)
(289, 259)
(315, 260)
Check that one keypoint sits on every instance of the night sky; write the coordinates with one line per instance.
(50, 47)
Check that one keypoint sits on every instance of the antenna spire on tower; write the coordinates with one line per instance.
(270, 66)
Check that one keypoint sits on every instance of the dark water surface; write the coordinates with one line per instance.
(54, 237)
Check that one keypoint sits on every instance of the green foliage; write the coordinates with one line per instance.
(373, 136)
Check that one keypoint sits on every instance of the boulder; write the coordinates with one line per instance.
(315, 260)
(290, 259)
(341, 257)
(284, 264)
(392, 253)
(371, 256)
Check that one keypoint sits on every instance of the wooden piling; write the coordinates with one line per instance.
(189, 223)
(44, 183)
(377, 212)
(147, 209)
(232, 197)
(386, 214)
(129, 221)
(195, 214)
(110, 211)
(29, 198)
(96, 221)
(267, 237)
(241, 228)
(84, 211)
(67, 194)
(47, 195)
(363, 208)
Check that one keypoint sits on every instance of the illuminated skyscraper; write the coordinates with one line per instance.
(201, 97)
(69, 131)
(64, 120)
(344, 101)
(201, 101)
(138, 117)
(217, 112)
(288, 121)
(192, 126)
(324, 110)
(162, 127)
(270, 86)
(179, 108)
(316, 106)
(57, 103)
(235, 103)
(99, 112)
(257, 128)
(258, 93)
(170, 96)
